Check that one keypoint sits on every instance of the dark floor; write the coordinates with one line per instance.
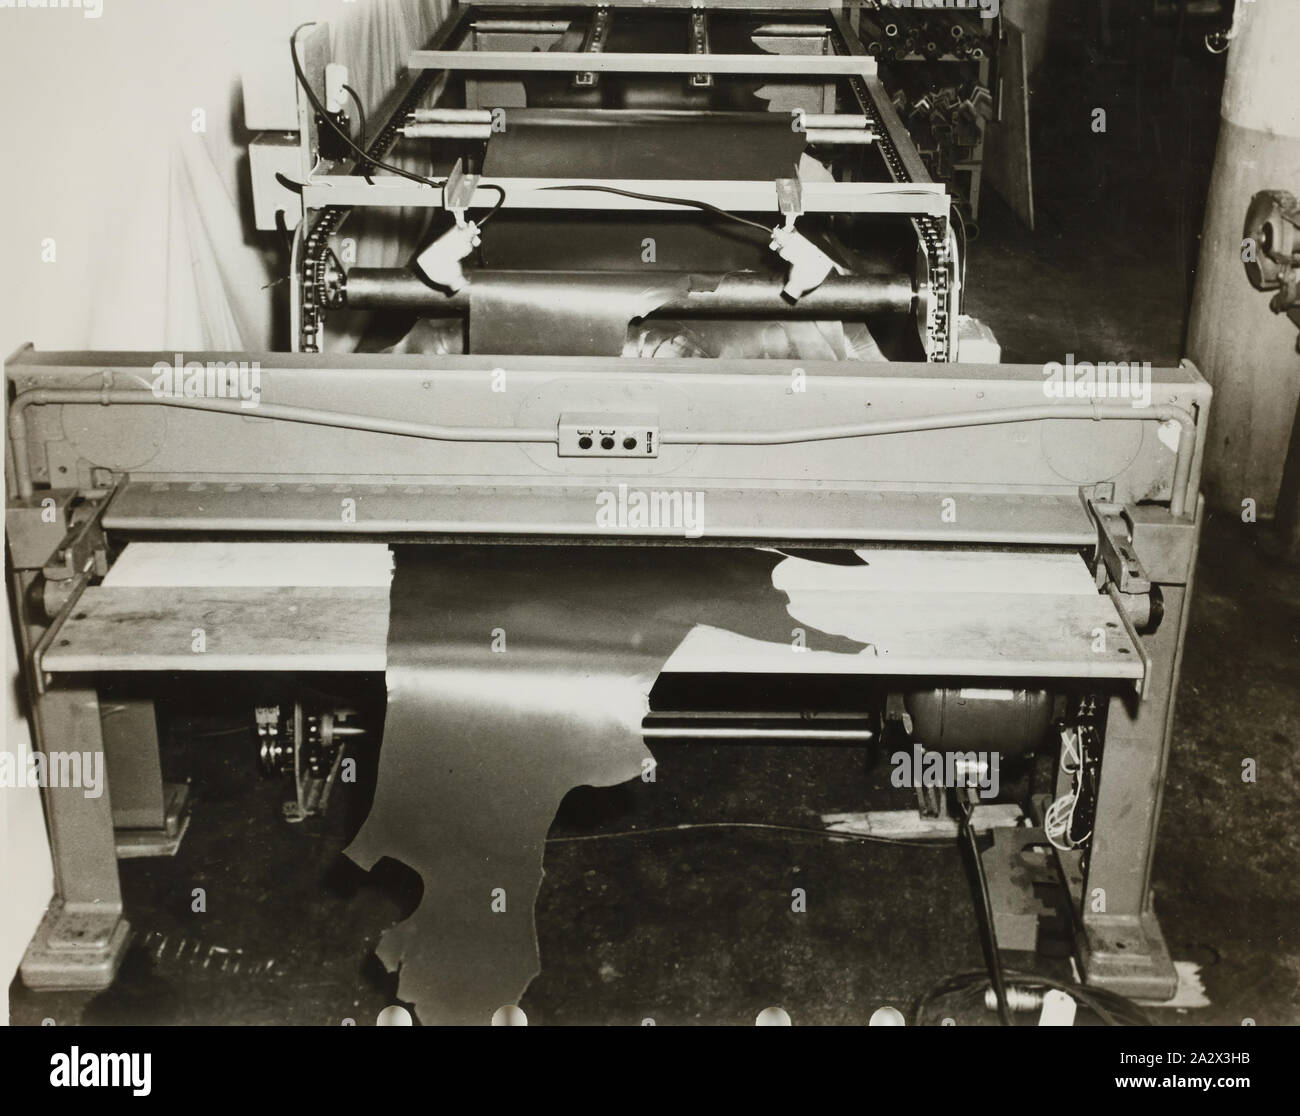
(696, 926)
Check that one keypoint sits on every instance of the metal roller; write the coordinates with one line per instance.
(437, 130)
(451, 116)
(747, 293)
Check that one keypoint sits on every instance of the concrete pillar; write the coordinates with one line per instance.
(1247, 352)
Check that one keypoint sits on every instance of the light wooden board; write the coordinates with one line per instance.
(251, 564)
(962, 613)
(970, 635)
(969, 614)
(263, 629)
(899, 568)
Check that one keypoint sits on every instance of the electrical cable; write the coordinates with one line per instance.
(967, 833)
(324, 114)
(1111, 1008)
(361, 123)
(282, 228)
(500, 202)
(233, 730)
(366, 159)
(830, 834)
(1058, 821)
(690, 202)
(1217, 42)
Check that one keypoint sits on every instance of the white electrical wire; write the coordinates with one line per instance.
(1226, 37)
(1059, 818)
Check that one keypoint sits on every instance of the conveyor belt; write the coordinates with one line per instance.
(931, 232)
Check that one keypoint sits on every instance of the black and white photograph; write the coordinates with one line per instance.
(651, 513)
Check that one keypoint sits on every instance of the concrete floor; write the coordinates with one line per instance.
(696, 926)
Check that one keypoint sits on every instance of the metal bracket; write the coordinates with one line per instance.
(1117, 568)
(458, 192)
(83, 546)
(699, 44)
(789, 199)
(37, 527)
(1117, 560)
(1131, 629)
(1273, 225)
(79, 558)
(75, 587)
(594, 43)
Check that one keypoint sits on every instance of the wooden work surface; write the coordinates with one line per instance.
(967, 635)
(915, 613)
(268, 628)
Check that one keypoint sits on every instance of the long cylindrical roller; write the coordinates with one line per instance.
(833, 120)
(447, 131)
(611, 118)
(370, 288)
(839, 135)
(451, 116)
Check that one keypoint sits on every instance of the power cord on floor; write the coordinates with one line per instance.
(1111, 1008)
(830, 834)
(966, 834)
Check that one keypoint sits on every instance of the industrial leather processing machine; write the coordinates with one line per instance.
(671, 280)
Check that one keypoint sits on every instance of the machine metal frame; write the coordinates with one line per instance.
(203, 473)
(332, 189)
(460, 449)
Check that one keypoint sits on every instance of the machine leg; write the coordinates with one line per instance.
(83, 936)
(1120, 945)
(150, 816)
